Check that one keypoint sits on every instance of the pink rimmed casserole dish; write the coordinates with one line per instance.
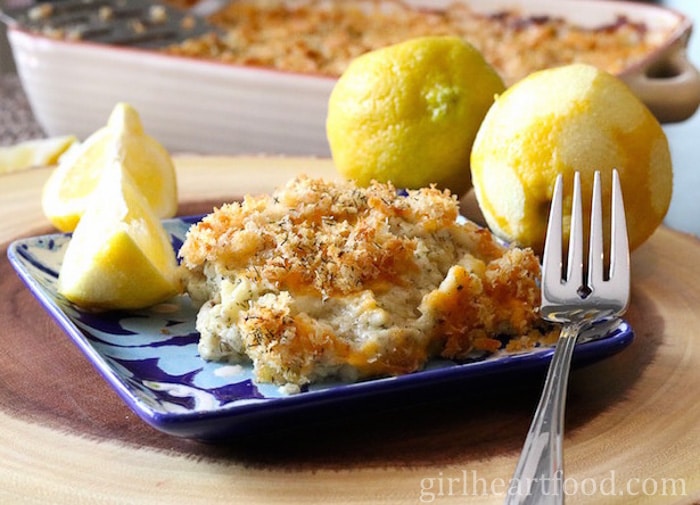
(193, 105)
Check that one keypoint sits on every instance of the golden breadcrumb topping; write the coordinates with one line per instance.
(326, 279)
(322, 36)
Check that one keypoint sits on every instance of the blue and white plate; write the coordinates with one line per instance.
(150, 358)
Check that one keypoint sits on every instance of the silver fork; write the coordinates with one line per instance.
(539, 474)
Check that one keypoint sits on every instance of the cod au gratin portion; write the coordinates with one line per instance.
(329, 280)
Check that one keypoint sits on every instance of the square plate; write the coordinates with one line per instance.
(150, 358)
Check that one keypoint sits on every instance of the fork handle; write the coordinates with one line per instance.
(539, 475)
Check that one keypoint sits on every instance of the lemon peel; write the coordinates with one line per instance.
(124, 141)
(120, 256)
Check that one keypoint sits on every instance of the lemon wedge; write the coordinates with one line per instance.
(120, 256)
(34, 153)
(121, 141)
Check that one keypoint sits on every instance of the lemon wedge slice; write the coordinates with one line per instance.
(34, 153)
(120, 256)
(123, 141)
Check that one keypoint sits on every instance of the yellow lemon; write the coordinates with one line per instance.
(408, 113)
(34, 153)
(119, 256)
(562, 120)
(122, 140)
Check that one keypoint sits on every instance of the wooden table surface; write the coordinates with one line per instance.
(633, 420)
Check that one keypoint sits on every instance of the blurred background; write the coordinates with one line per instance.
(6, 63)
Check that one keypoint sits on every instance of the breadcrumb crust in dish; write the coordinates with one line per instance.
(324, 280)
(321, 37)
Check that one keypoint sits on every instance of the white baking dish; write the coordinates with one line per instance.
(209, 107)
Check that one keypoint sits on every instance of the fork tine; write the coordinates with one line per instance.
(619, 248)
(595, 255)
(576, 306)
(575, 266)
(552, 257)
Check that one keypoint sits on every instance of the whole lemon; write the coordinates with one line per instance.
(563, 120)
(408, 113)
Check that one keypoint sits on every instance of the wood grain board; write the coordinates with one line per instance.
(633, 421)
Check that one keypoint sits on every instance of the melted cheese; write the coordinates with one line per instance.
(325, 279)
